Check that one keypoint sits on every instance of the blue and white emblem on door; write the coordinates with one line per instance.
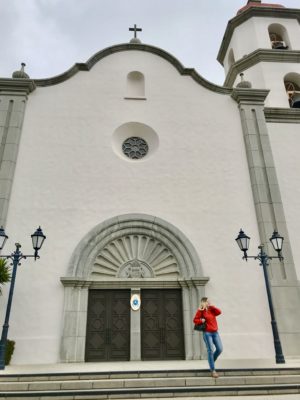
(135, 302)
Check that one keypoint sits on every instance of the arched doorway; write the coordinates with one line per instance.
(134, 253)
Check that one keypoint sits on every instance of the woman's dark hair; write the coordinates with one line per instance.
(204, 299)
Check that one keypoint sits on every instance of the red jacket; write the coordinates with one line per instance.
(209, 316)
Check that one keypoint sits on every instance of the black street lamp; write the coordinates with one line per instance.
(277, 242)
(37, 241)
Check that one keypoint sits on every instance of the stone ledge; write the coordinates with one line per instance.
(257, 56)
(282, 115)
(9, 86)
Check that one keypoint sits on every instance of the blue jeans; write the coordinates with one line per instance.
(214, 347)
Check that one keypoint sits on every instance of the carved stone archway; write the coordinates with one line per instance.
(135, 251)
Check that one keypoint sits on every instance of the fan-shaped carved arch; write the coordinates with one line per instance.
(134, 237)
(133, 251)
(135, 256)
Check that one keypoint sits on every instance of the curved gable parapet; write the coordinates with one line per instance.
(127, 47)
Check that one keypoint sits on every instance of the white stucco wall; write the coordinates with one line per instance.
(285, 141)
(270, 75)
(68, 179)
(253, 34)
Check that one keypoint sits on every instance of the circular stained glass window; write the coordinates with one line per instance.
(135, 148)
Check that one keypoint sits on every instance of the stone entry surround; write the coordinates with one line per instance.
(133, 251)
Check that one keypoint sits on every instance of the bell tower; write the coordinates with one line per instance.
(263, 42)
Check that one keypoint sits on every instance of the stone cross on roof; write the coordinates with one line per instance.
(135, 39)
(135, 30)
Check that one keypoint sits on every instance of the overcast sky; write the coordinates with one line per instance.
(51, 35)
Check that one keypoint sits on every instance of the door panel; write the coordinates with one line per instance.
(108, 326)
(162, 325)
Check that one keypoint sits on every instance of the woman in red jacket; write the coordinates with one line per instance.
(211, 337)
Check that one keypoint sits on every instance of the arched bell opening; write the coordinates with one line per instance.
(292, 87)
(279, 37)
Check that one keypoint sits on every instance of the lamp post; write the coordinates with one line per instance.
(37, 241)
(277, 241)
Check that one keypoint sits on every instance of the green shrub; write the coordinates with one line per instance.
(5, 273)
(9, 349)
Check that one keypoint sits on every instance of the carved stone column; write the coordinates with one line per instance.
(135, 330)
(270, 215)
(13, 98)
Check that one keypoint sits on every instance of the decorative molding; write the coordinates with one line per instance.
(136, 47)
(282, 115)
(135, 256)
(135, 269)
(137, 245)
(82, 263)
(135, 147)
(141, 283)
(249, 96)
(16, 86)
(257, 56)
(135, 98)
(268, 12)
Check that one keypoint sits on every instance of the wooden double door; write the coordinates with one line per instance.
(108, 325)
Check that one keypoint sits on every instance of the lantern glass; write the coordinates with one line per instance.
(38, 239)
(243, 241)
(277, 241)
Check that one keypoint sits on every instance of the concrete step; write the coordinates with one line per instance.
(143, 384)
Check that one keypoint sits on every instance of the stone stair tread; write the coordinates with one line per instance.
(140, 384)
(155, 389)
(145, 373)
(244, 379)
(144, 381)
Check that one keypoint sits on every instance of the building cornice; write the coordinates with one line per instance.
(257, 56)
(282, 115)
(129, 283)
(129, 47)
(249, 96)
(253, 12)
(16, 86)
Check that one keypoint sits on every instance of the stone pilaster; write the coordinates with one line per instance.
(75, 320)
(270, 215)
(135, 330)
(13, 98)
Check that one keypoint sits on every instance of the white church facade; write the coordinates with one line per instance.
(141, 174)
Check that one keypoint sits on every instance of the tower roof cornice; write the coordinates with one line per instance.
(265, 11)
(255, 3)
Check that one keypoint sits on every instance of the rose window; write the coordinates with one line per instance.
(135, 148)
